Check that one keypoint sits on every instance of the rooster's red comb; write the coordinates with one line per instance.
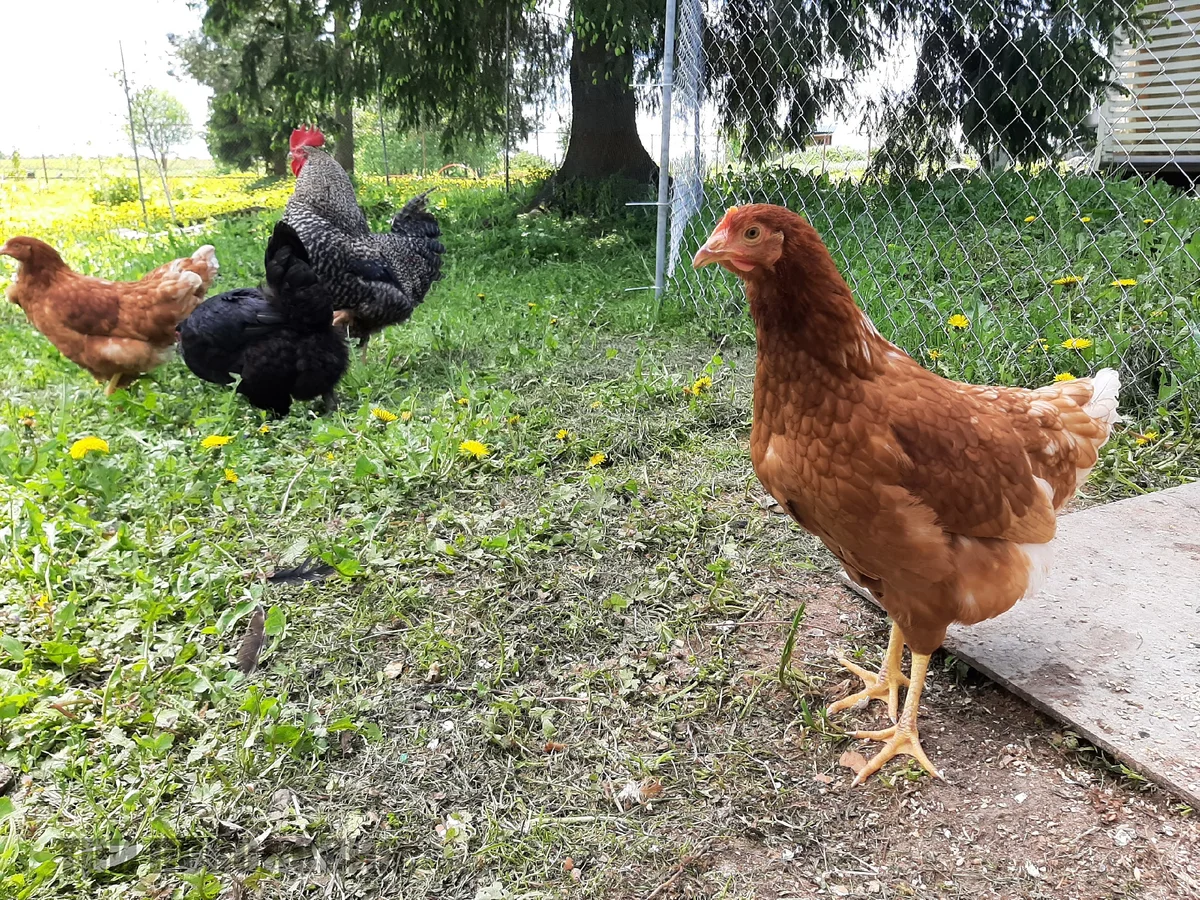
(306, 136)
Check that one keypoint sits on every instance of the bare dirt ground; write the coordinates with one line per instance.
(650, 751)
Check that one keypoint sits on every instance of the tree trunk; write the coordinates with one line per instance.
(276, 162)
(604, 139)
(343, 150)
(343, 109)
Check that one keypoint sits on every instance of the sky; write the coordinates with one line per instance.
(58, 60)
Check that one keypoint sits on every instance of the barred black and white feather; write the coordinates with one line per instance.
(376, 279)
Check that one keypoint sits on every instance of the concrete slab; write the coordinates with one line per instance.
(1111, 647)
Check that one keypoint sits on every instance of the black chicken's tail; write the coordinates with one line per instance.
(293, 287)
(416, 221)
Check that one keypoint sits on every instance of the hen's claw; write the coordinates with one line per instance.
(897, 739)
(901, 737)
(886, 683)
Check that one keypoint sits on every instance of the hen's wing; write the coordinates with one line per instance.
(997, 462)
(146, 310)
(214, 338)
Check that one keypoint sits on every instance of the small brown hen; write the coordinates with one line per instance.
(938, 497)
(117, 330)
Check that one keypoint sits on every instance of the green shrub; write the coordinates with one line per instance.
(115, 191)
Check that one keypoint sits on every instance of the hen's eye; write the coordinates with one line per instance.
(752, 233)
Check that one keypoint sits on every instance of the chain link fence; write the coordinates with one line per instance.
(1008, 189)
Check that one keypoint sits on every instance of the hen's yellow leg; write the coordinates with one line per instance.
(113, 383)
(901, 737)
(876, 687)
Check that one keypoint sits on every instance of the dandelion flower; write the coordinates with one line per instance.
(1067, 280)
(532, 305)
(1039, 344)
(1123, 282)
(935, 354)
(1029, 219)
(329, 455)
(554, 320)
(231, 476)
(513, 420)
(1064, 376)
(264, 429)
(473, 448)
(959, 321)
(215, 440)
(1148, 221)
(562, 434)
(406, 415)
(1157, 313)
(1085, 219)
(1076, 343)
(463, 401)
(84, 446)
(481, 296)
(1145, 438)
(701, 384)
(596, 404)
(596, 459)
(384, 415)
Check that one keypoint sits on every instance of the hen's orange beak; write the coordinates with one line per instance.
(713, 251)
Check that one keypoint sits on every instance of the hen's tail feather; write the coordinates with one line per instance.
(181, 287)
(416, 221)
(1082, 413)
(293, 287)
(414, 218)
(309, 570)
(1106, 385)
(253, 642)
(204, 263)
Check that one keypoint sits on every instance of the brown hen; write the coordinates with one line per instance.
(938, 497)
(117, 330)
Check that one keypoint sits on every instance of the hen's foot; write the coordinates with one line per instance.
(897, 740)
(884, 685)
(113, 384)
(901, 738)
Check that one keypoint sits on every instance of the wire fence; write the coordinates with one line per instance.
(1006, 193)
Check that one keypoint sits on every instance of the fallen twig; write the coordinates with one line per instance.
(677, 873)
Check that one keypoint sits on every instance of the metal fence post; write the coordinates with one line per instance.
(664, 154)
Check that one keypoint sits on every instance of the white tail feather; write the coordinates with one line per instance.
(1106, 385)
(208, 255)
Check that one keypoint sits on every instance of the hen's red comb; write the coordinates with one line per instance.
(304, 136)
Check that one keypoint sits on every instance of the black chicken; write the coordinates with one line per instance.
(376, 279)
(280, 339)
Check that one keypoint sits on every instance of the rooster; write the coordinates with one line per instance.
(938, 497)
(376, 279)
(280, 340)
(116, 330)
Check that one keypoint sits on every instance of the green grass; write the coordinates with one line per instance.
(406, 717)
(920, 253)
